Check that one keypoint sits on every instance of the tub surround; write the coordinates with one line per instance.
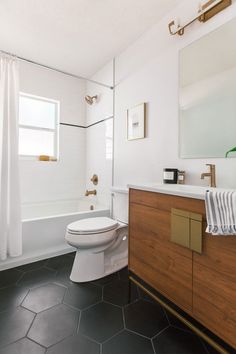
(200, 283)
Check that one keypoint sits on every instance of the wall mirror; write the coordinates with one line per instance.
(207, 95)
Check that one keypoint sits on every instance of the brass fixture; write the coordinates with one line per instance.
(211, 174)
(206, 11)
(93, 192)
(170, 309)
(94, 179)
(91, 99)
(186, 229)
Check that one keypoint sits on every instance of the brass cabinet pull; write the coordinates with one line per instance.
(186, 229)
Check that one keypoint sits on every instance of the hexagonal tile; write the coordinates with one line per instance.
(124, 274)
(44, 297)
(9, 277)
(128, 343)
(11, 297)
(117, 292)
(173, 340)
(145, 318)
(23, 346)
(14, 325)
(32, 266)
(37, 277)
(83, 295)
(53, 325)
(63, 276)
(59, 262)
(105, 280)
(101, 321)
(75, 344)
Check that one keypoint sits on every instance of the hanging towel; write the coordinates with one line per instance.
(221, 212)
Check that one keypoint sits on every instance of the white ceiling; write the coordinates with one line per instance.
(78, 36)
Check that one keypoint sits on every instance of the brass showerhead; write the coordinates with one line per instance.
(91, 99)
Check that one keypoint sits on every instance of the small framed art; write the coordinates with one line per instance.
(136, 122)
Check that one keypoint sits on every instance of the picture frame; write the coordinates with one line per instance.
(136, 122)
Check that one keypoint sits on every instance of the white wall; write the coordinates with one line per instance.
(64, 179)
(148, 72)
(99, 136)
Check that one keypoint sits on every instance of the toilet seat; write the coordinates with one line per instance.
(92, 226)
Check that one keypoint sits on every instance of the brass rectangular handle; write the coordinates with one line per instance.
(186, 229)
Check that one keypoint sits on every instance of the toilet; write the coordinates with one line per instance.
(101, 242)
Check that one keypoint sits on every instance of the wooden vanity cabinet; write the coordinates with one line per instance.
(204, 285)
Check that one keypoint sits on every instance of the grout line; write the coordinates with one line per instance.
(78, 325)
(138, 334)
(153, 348)
(156, 335)
(114, 335)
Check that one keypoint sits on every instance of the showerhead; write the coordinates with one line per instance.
(91, 99)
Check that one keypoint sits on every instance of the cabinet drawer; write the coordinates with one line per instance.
(165, 266)
(166, 202)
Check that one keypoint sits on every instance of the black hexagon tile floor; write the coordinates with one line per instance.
(101, 321)
(128, 343)
(44, 297)
(14, 324)
(11, 297)
(176, 341)
(75, 344)
(23, 346)
(43, 311)
(53, 325)
(145, 318)
(117, 292)
(83, 295)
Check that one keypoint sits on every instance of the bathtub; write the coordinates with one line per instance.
(44, 226)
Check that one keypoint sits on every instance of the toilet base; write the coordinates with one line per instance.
(91, 266)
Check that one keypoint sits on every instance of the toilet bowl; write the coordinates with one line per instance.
(102, 247)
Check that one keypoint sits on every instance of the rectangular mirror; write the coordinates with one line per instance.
(207, 99)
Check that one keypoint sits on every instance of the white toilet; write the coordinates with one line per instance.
(101, 242)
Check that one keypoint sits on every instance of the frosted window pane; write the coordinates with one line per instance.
(37, 113)
(36, 142)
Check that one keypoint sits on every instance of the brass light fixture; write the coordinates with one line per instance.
(91, 99)
(206, 11)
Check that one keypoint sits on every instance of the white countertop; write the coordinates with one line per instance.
(182, 190)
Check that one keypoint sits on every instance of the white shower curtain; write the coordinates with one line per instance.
(10, 206)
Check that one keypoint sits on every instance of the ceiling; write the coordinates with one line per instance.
(78, 36)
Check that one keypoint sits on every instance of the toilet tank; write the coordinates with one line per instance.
(120, 203)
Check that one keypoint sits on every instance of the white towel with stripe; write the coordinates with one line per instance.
(221, 212)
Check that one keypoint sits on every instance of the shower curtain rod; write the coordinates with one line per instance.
(54, 69)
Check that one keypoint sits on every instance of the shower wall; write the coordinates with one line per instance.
(99, 136)
(64, 179)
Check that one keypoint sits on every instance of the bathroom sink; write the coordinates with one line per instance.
(183, 190)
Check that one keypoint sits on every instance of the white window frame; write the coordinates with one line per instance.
(55, 130)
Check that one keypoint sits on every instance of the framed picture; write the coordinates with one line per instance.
(136, 121)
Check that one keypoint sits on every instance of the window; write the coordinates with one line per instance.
(38, 126)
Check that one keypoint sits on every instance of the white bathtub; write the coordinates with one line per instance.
(44, 226)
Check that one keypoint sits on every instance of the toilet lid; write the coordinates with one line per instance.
(92, 225)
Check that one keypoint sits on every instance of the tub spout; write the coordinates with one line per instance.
(93, 192)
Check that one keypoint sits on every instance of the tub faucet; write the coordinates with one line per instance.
(211, 174)
(87, 193)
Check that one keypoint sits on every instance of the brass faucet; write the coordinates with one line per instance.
(87, 193)
(211, 174)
